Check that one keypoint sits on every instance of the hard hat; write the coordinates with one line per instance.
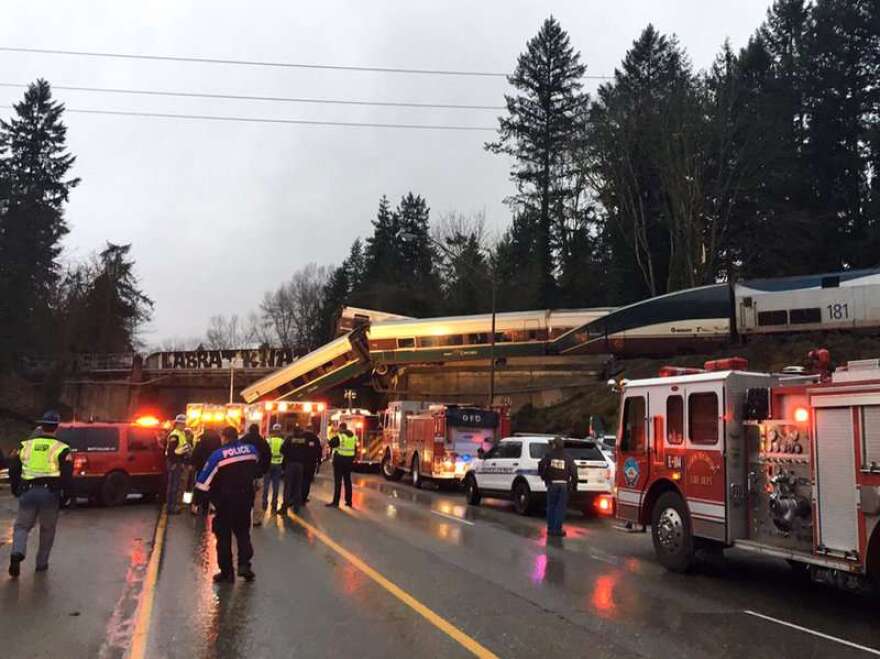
(276, 427)
(180, 418)
(50, 418)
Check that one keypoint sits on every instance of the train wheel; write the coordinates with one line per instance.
(671, 531)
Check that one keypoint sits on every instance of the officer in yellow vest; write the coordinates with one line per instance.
(276, 471)
(344, 446)
(177, 452)
(39, 474)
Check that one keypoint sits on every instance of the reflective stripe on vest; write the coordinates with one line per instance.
(39, 458)
(347, 444)
(182, 442)
(275, 444)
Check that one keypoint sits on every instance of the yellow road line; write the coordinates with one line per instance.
(138, 648)
(440, 623)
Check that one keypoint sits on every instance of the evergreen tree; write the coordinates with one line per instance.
(543, 123)
(466, 275)
(34, 165)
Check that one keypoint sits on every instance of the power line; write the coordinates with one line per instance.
(282, 65)
(265, 120)
(281, 99)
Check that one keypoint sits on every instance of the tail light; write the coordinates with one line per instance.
(604, 504)
(80, 464)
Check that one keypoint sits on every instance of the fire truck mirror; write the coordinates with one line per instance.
(757, 405)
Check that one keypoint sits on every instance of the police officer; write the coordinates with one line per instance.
(177, 451)
(39, 474)
(228, 478)
(276, 471)
(559, 472)
(301, 452)
(344, 446)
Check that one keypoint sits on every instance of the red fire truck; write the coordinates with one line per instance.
(433, 441)
(783, 465)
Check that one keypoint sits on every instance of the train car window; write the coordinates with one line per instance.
(406, 343)
(703, 418)
(429, 341)
(674, 420)
(831, 282)
(476, 339)
(634, 425)
(452, 340)
(804, 316)
(773, 317)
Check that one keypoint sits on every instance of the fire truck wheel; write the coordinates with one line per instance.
(389, 471)
(522, 498)
(114, 489)
(471, 491)
(671, 531)
(416, 475)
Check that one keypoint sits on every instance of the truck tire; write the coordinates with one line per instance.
(471, 491)
(389, 471)
(416, 475)
(671, 532)
(523, 502)
(114, 489)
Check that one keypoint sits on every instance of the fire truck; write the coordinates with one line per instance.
(365, 425)
(783, 465)
(201, 416)
(308, 415)
(433, 441)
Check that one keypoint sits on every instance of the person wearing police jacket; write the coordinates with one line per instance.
(558, 471)
(344, 447)
(228, 478)
(301, 453)
(39, 474)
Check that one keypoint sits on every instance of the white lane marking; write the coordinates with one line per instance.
(453, 518)
(863, 648)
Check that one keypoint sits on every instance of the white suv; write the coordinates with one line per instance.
(510, 471)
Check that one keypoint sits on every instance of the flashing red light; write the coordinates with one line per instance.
(604, 504)
(801, 415)
(147, 421)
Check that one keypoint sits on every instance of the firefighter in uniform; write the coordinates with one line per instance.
(228, 477)
(39, 474)
(177, 450)
(559, 472)
(344, 446)
(276, 471)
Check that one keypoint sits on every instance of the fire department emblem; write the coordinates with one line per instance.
(631, 471)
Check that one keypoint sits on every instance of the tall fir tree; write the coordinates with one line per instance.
(543, 123)
(34, 184)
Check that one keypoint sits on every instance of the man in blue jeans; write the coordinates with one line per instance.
(558, 471)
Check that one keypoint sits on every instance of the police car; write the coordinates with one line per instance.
(509, 470)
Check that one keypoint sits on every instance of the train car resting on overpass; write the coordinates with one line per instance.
(384, 344)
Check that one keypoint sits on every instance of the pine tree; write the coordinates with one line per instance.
(34, 165)
(540, 131)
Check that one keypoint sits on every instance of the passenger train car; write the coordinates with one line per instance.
(408, 340)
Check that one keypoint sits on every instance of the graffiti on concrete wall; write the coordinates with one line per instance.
(219, 359)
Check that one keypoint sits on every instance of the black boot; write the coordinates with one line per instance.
(246, 573)
(224, 577)
(15, 564)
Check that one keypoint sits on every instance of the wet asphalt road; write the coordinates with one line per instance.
(490, 573)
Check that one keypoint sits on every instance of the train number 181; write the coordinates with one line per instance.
(838, 311)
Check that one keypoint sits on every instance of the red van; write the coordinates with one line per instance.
(113, 460)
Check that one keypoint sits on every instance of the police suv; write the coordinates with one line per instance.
(509, 470)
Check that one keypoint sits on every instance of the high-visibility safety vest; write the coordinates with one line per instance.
(40, 458)
(347, 445)
(275, 444)
(182, 442)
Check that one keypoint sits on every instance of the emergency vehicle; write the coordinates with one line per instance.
(783, 465)
(509, 470)
(113, 460)
(201, 416)
(365, 425)
(433, 441)
(308, 415)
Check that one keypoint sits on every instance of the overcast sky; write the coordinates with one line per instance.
(220, 212)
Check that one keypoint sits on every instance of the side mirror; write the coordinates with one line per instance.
(481, 453)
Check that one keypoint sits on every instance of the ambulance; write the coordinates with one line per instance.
(308, 415)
